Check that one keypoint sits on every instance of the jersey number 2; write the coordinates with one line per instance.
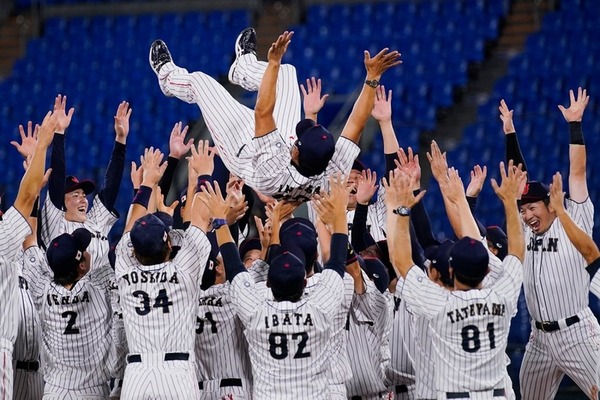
(70, 329)
(161, 301)
(278, 345)
(470, 337)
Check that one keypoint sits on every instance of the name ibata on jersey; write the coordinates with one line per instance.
(474, 310)
(297, 319)
(150, 277)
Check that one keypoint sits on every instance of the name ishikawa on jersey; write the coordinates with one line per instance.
(469, 328)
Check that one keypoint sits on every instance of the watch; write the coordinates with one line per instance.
(402, 211)
(373, 83)
(218, 222)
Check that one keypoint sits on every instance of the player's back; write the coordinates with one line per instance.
(288, 342)
(221, 347)
(76, 326)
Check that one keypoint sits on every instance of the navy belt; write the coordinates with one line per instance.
(136, 358)
(466, 395)
(380, 394)
(551, 326)
(227, 382)
(31, 366)
(401, 389)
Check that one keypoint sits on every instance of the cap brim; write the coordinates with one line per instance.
(83, 236)
(87, 187)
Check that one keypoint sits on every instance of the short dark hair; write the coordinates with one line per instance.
(470, 282)
(292, 297)
(67, 278)
(157, 258)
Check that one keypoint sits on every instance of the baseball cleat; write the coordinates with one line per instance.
(244, 44)
(159, 55)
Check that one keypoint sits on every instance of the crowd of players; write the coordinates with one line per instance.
(359, 301)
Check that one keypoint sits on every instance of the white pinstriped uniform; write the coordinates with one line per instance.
(288, 341)
(595, 285)
(13, 230)
(99, 222)
(221, 347)
(339, 371)
(469, 329)
(28, 385)
(76, 329)
(368, 344)
(556, 287)
(401, 369)
(263, 163)
(160, 304)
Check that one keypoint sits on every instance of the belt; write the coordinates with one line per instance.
(465, 395)
(31, 366)
(227, 382)
(551, 326)
(136, 358)
(380, 394)
(401, 389)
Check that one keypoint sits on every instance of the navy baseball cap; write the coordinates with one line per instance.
(358, 166)
(165, 218)
(249, 244)
(469, 258)
(72, 184)
(149, 235)
(287, 272)
(439, 258)
(302, 233)
(375, 270)
(183, 196)
(534, 191)
(210, 274)
(496, 236)
(315, 148)
(66, 251)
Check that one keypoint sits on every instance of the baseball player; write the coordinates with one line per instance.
(159, 296)
(66, 206)
(565, 333)
(470, 324)
(288, 334)
(256, 146)
(13, 230)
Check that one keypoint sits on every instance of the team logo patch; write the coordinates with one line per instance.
(247, 284)
(278, 145)
(32, 260)
(420, 279)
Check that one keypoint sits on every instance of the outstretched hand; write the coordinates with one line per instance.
(63, 118)
(512, 179)
(382, 111)
(152, 168)
(382, 61)
(202, 160)
(280, 46)
(575, 111)
(28, 140)
(313, 101)
(398, 190)
(506, 116)
(122, 122)
(160, 203)
(478, 175)
(557, 196)
(366, 187)
(409, 164)
(439, 165)
(212, 197)
(177, 146)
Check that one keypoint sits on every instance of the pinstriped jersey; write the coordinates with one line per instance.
(99, 222)
(13, 230)
(595, 281)
(76, 330)
(288, 341)
(160, 302)
(469, 328)
(28, 337)
(556, 282)
(368, 344)
(221, 347)
(400, 369)
(271, 172)
(339, 371)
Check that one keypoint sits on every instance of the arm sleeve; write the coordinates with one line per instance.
(232, 261)
(419, 218)
(56, 184)
(167, 178)
(472, 206)
(390, 165)
(359, 234)
(339, 250)
(513, 150)
(113, 176)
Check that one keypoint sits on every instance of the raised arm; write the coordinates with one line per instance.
(56, 186)
(177, 149)
(202, 161)
(454, 194)
(510, 189)
(365, 189)
(513, 150)
(265, 102)
(580, 239)
(116, 164)
(578, 191)
(363, 106)
(313, 101)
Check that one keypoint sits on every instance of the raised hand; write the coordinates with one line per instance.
(330, 206)
(439, 165)
(382, 61)
(399, 192)
(313, 101)
(506, 116)
(512, 179)
(28, 140)
(202, 160)
(47, 128)
(382, 111)
(478, 176)
(557, 196)
(366, 187)
(63, 118)
(45, 178)
(280, 46)
(177, 146)
(152, 168)
(264, 232)
(282, 211)
(409, 164)
(160, 203)
(234, 187)
(453, 188)
(212, 197)
(122, 122)
(136, 175)
(575, 111)
(237, 208)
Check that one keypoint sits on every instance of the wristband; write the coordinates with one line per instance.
(576, 133)
(34, 210)
(202, 180)
(142, 197)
